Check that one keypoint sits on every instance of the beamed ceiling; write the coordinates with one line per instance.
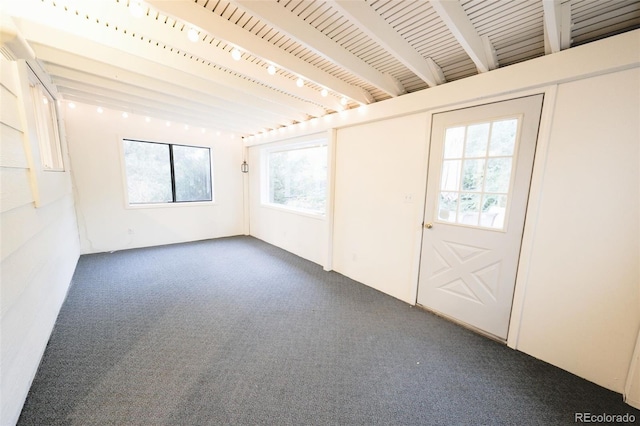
(137, 56)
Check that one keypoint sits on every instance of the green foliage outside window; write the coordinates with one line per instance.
(298, 178)
(166, 173)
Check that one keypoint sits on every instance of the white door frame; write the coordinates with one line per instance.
(537, 178)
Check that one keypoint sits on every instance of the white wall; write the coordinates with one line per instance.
(582, 306)
(379, 199)
(40, 246)
(302, 234)
(105, 223)
(577, 296)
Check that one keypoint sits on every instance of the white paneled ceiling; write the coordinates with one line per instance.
(346, 52)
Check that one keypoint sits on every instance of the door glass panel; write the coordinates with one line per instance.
(451, 175)
(469, 208)
(498, 174)
(477, 138)
(503, 137)
(453, 142)
(448, 206)
(476, 173)
(473, 175)
(494, 208)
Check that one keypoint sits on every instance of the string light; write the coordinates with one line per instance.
(136, 9)
(193, 35)
(271, 69)
(299, 82)
(324, 93)
(236, 54)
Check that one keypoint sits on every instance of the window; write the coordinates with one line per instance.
(166, 173)
(296, 177)
(477, 171)
(46, 126)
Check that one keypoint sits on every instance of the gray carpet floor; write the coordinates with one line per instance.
(235, 331)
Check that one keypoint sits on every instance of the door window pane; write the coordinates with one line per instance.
(448, 206)
(469, 208)
(503, 137)
(498, 174)
(450, 175)
(454, 142)
(477, 138)
(473, 175)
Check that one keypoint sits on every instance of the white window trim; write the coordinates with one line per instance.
(45, 145)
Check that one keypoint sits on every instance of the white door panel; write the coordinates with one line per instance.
(478, 184)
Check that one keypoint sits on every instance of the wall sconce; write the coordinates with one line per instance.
(244, 167)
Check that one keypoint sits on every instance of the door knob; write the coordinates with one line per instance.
(428, 225)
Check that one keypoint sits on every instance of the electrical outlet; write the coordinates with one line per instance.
(408, 198)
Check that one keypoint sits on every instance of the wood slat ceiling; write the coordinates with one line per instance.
(98, 53)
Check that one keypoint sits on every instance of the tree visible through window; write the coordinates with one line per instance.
(166, 173)
(297, 178)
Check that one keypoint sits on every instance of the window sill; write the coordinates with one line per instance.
(297, 212)
(170, 205)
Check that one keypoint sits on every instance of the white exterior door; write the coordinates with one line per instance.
(480, 168)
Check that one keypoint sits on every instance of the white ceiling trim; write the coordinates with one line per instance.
(372, 24)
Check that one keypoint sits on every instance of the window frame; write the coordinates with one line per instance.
(173, 203)
(482, 192)
(265, 176)
(49, 139)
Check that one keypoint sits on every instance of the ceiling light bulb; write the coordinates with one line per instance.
(271, 70)
(147, 119)
(236, 54)
(324, 93)
(168, 123)
(136, 9)
(45, 101)
(343, 101)
(125, 115)
(100, 110)
(72, 105)
(193, 35)
(299, 82)
(186, 127)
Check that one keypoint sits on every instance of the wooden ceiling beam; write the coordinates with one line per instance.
(456, 19)
(372, 24)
